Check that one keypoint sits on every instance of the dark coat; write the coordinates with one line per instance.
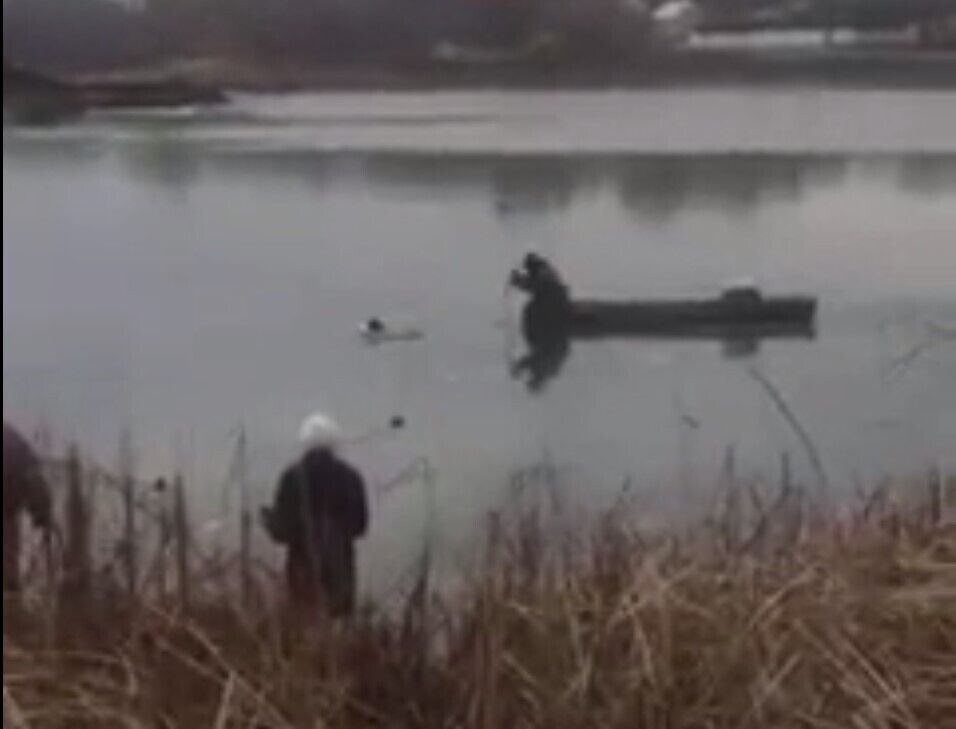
(24, 488)
(547, 315)
(320, 487)
(24, 492)
(320, 510)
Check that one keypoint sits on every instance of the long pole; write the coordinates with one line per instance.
(245, 517)
(128, 487)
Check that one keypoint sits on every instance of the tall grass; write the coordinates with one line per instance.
(768, 614)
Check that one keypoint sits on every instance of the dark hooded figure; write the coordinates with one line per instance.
(320, 510)
(24, 492)
(547, 315)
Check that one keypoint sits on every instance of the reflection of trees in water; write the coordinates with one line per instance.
(529, 184)
(45, 152)
(515, 184)
(661, 186)
(312, 169)
(658, 186)
(430, 174)
(928, 174)
(163, 161)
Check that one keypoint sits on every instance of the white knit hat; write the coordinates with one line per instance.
(319, 430)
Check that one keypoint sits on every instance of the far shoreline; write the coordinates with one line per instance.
(692, 69)
(32, 96)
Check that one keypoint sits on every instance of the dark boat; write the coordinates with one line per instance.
(740, 312)
(740, 317)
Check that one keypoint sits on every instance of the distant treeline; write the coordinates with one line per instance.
(97, 34)
(79, 34)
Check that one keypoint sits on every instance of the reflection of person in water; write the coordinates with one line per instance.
(542, 363)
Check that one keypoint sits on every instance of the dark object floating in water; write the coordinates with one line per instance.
(739, 313)
(375, 331)
(740, 317)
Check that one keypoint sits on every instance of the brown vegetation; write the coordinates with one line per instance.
(770, 614)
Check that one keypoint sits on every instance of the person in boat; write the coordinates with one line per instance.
(320, 510)
(25, 492)
(546, 316)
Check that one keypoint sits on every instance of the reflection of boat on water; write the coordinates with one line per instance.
(739, 318)
(546, 356)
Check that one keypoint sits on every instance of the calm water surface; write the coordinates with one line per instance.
(182, 273)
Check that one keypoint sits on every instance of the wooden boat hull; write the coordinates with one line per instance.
(716, 318)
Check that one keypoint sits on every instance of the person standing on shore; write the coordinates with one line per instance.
(320, 510)
(25, 491)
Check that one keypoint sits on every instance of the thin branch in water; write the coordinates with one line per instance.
(812, 452)
(935, 334)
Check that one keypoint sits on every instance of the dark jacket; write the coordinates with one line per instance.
(319, 488)
(24, 488)
(543, 282)
(320, 510)
(546, 317)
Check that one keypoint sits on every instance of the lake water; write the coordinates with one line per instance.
(181, 273)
